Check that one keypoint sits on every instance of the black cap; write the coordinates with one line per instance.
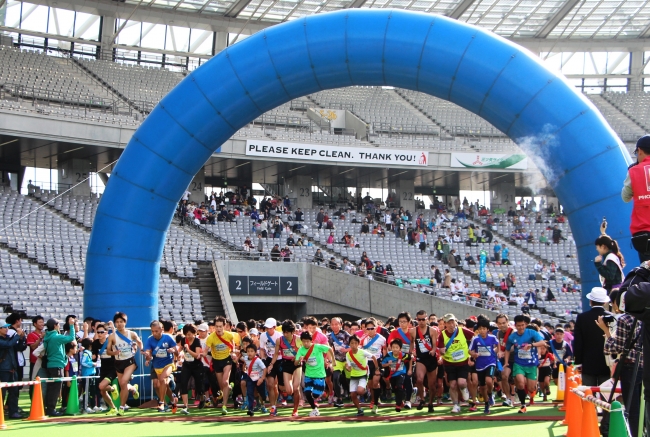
(643, 143)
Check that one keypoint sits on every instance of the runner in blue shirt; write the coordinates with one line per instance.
(484, 349)
(523, 343)
(160, 350)
(397, 364)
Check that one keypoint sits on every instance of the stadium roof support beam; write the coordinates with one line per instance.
(539, 45)
(460, 9)
(156, 15)
(555, 19)
(357, 4)
(236, 8)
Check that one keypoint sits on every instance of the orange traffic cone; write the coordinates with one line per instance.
(569, 399)
(38, 411)
(2, 413)
(589, 418)
(574, 415)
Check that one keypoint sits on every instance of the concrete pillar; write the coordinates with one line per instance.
(298, 188)
(635, 83)
(220, 42)
(197, 187)
(406, 194)
(503, 196)
(71, 174)
(106, 38)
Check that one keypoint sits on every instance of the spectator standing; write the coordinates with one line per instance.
(636, 188)
(56, 361)
(609, 262)
(447, 279)
(15, 321)
(588, 343)
(9, 345)
(505, 256)
(497, 251)
(320, 218)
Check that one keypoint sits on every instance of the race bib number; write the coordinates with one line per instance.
(524, 355)
(289, 353)
(255, 375)
(221, 347)
(161, 353)
(406, 348)
(188, 357)
(458, 355)
(340, 348)
(75, 366)
(311, 362)
(423, 347)
(484, 352)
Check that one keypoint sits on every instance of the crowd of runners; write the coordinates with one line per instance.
(405, 362)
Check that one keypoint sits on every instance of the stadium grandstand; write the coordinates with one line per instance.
(443, 209)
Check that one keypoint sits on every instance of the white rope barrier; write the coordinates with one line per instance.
(592, 399)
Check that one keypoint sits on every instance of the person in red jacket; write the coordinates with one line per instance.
(637, 188)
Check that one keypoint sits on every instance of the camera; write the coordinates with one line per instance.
(609, 318)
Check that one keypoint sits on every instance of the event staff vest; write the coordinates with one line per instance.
(459, 350)
(640, 178)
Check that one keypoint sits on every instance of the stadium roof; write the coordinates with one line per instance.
(509, 18)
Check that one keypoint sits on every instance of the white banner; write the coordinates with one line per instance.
(315, 152)
(481, 160)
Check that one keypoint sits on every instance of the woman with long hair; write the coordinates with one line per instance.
(609, 262)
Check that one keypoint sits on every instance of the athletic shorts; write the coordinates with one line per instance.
(273, 371)
(556, 372)
(121, 365)
(219, 365)
(289, 366)
(472, 369)
(328, 372)
(339, 366)
(430, 362)
(455, 373)
(441, 372)
(162, 369)
(108, 373)
(372, 369)
(360, 381)
(488, 372)
(529, 372)
(315, 385)
(543, 372)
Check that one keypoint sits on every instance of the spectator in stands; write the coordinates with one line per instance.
(260, 245)
(511, 212)
(511, 282)
(56, 361)
(543, 238)
(347, 266)
(275, 253)
(182, 212)
(286, 254)
(318, 257)
(539, 266)
(531, 298)
(469, 259)
(345, 239)
(248, 245)
(557, 235)
(447, 279)
(365, 229)
(329, 225)
(287, 203)
(254, 214)
(277, 228)
(422, 239)
(451, 259)
(505, 255)
(264, 228)
(320, 218)
(9, 347)
(300, 242)
(332, 264)
(290, 241)
(496, 249)
(487, 236)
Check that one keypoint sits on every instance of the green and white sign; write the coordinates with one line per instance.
(489, 161)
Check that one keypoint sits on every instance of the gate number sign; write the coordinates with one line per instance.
(263, 285)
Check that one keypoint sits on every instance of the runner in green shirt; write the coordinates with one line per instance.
(356, 362)
(312, 355)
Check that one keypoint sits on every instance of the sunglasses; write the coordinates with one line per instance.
(101, 332)
(422, 320)
(239, 331)
(370, 329)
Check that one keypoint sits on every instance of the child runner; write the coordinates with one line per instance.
(398, 365)
(523, 343)
(356, 362)
(562, 352)
(403, 334)
(375, 344)
(425, 338)
(312, 355)
(192, 365)
(160, 350)
(546, 361)
(483, 350)
(286, 347)
(222, 345)
(88, 369)
(123, 345)
(339, 341)
(268, 343)
(254, 376)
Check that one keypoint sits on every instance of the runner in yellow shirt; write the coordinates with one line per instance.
(222, 346)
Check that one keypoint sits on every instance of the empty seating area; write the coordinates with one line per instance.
(623, 125)
(138, 84)
(32, 74)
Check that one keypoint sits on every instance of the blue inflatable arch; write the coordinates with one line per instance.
(579, 154)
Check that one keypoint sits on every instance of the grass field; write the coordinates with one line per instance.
(540, 421)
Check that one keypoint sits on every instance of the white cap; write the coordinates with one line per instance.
(270, 323)
(202, 327)
(598, 294)
(254, 331)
